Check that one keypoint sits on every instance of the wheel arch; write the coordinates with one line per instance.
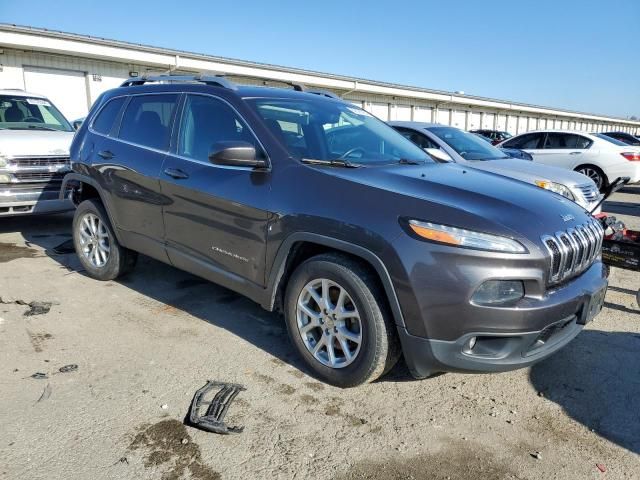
(300, 246)
(83, 188)
(605, 178)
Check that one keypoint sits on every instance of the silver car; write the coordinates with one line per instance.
(34, 154)
(451, 144)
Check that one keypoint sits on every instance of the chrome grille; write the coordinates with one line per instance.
(38, 161)
(573, 251)
(590, 192)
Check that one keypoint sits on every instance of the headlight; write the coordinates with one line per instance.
(556, 187)
(3, 161)
(465, 238)
(5, 178)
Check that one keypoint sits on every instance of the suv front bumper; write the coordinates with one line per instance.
(556, 319)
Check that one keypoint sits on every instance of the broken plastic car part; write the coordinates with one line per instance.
(213, 419)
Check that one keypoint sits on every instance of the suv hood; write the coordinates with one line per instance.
(530, 172)
(455, 195)
(34, 142)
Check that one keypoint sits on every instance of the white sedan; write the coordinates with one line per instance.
(600, 159)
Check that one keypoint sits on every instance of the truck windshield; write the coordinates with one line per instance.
(27, 113)
(467, 145)
(328, 130)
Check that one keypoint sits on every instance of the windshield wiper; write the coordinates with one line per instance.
(331, 163)
(406, 161)
(40, 127)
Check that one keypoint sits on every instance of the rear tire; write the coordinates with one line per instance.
(339, 322)
(595, 174)
(97, 247)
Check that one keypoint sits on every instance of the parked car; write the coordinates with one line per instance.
(599, 159)
(624, 138)
(510, 152)
(312, 206)
(34, 154)
(453, 144)
(496, 136)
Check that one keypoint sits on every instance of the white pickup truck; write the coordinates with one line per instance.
(34, 154)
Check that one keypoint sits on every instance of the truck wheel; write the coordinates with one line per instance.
(96, 245)
(338, 322)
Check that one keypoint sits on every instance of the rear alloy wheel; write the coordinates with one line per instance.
(94, 240)
(594, 174)
(338, 320)
(97, 247)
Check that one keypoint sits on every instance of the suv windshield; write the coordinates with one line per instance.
(467, 145)
(326, 130)
(27, 113)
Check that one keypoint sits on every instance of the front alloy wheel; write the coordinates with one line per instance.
(329, 323)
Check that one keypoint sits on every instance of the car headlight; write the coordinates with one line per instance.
(465, 238)
(556, 187)
(5, 178)
(3, 161)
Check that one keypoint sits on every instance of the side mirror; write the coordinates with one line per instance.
(235, 154)
(438, 155)
(76, 124)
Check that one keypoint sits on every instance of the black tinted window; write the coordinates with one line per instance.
(207, 121)
(566, 140)
(104, 120)
(527, 141)
(147, 120)
(420, 140)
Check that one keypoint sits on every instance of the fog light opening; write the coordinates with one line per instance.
(469, 344)
(498, 292)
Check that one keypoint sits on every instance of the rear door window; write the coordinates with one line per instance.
(566, 141)
(147, 120)
(105, 119)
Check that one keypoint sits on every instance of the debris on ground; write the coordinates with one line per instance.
(601, 467)
(213, 419)
(68, 368)
(537, 455)
(46, 393)
(164, 406)
(40, 376)
(35, 307)
(64, 248)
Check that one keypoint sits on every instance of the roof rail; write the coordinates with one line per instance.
(324, 93)
(212, 80)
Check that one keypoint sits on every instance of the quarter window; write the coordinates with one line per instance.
(147, 120)
(104, 121)
(206, 121)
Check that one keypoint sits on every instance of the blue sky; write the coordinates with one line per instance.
(581, 55)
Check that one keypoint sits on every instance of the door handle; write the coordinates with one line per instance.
(176, 173)
(575, 153)
(106, 154)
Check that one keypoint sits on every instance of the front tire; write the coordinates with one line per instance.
(97, 247)
(338, 321)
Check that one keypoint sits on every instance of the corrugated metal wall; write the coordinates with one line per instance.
(101, 76)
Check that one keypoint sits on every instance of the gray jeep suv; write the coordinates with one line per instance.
(311, 206)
